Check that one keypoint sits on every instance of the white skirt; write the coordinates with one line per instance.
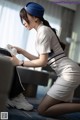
(67, 81)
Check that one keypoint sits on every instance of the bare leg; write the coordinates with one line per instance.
(52, 107)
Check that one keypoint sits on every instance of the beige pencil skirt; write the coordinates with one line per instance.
(67, 81)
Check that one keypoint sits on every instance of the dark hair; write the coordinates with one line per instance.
(46, 23)
(23, 15)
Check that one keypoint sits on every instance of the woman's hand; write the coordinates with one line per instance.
(19, 50)
(15, 60)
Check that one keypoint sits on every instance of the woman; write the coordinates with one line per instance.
(59, 97)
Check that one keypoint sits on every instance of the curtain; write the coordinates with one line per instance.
(11, 29)
(66, 23)
(74, 53)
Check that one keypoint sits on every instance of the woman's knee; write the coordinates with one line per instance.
(41, 111)
(46, 103)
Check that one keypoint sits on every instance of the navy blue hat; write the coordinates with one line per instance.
(34, 9)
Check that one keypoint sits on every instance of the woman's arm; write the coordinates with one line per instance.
(39, 62)
(24, 53)
(28, 55)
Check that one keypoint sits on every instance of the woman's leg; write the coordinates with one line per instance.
(51, 107)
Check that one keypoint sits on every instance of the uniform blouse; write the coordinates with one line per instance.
(47, 42)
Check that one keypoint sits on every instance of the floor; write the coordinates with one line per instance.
(15, 114)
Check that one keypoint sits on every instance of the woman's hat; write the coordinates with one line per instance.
(34, 9)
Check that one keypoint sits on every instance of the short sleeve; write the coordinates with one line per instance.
(43, 42)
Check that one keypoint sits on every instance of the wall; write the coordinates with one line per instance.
(66, 3)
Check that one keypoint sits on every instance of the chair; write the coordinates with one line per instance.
(6, 71)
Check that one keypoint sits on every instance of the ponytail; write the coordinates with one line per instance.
(46, 23)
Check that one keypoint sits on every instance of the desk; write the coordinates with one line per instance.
(32, 78)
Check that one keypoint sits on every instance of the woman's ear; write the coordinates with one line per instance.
(36, 19)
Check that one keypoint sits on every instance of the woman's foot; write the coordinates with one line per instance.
(20, 102)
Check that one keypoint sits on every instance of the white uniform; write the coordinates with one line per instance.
(68, 72)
